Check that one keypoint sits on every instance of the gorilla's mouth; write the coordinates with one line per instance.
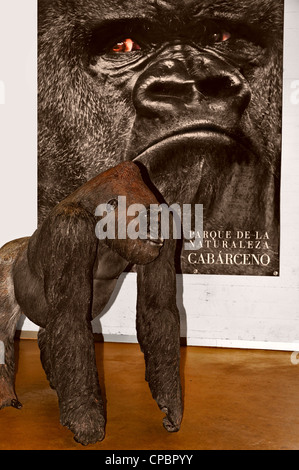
(178, 162)
(190, 136)
(155, 242)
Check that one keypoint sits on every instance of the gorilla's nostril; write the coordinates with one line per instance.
(172, 87)
(220, 87)
(166, 88)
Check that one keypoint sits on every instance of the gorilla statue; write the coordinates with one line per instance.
(63, 276)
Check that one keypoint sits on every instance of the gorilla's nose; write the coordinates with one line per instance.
(164, 88)
(171, 87)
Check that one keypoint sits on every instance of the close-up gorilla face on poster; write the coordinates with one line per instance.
(188, 89)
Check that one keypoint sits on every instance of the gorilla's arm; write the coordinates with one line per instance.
(158, 332)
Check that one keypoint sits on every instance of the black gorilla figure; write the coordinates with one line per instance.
(63, 276)
(189, 89)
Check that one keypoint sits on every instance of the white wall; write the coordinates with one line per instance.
(233, 311)
(18, 162)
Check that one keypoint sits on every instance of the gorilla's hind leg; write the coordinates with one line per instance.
(10, 313)
(45, 355)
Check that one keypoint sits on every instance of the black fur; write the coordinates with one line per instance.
(63, 276)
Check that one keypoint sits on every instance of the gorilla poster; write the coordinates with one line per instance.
(190, 90)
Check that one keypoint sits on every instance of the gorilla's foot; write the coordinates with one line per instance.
(86, 421)
(7, 394)
(169, 400)
(172, 406)
(172, 421)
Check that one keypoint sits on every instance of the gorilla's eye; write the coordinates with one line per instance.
(127, 45)
(221, 37)
(112, 205)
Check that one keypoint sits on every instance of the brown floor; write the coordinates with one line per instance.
(234, 399)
